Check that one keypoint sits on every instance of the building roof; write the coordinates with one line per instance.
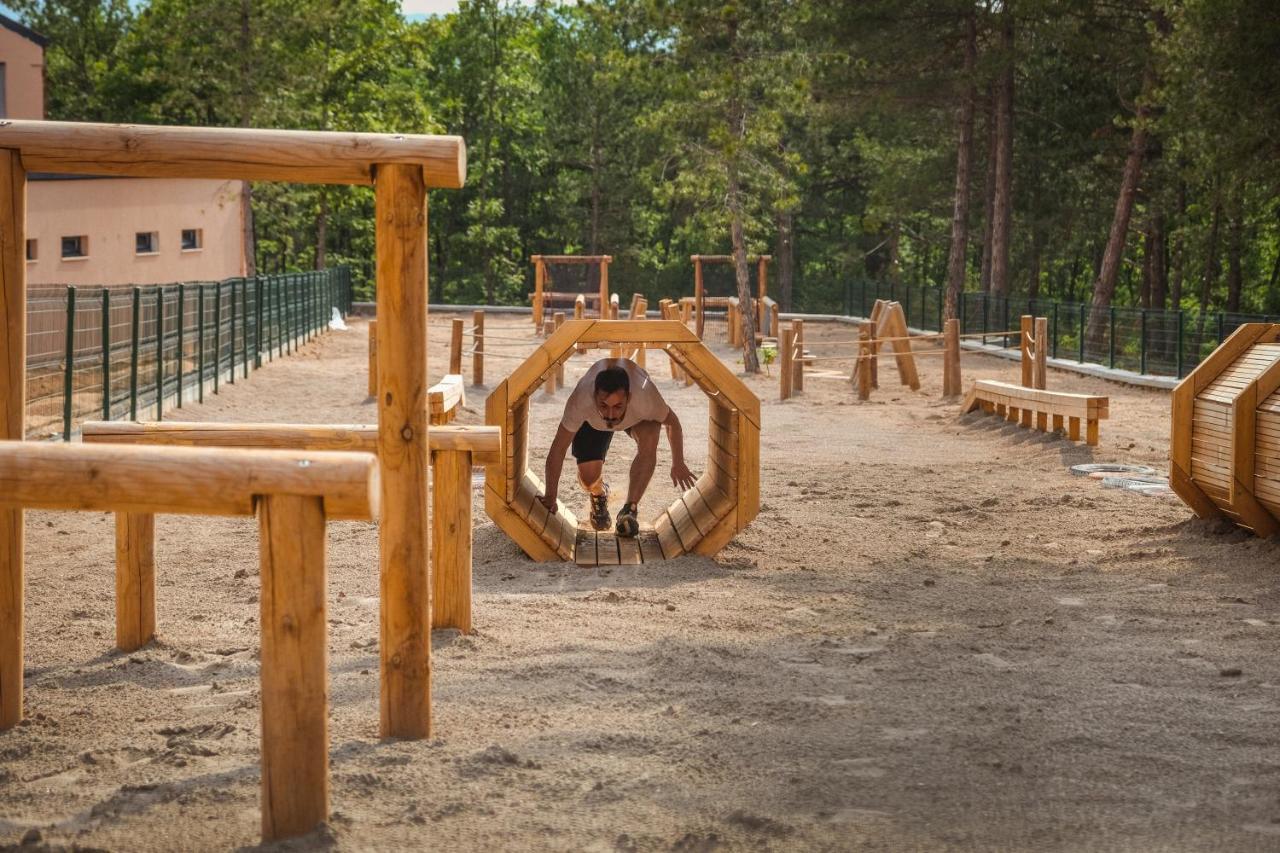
(22, 30)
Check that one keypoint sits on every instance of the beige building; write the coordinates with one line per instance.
(87, 230)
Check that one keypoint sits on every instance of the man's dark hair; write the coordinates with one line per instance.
(613, 379)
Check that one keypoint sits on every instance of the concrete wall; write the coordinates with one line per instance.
(24, 76)
(111, 211)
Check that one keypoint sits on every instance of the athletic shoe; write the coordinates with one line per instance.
(600, 518)
(628, 523)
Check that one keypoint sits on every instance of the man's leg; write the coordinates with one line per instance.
(590, 446)
(646, 434)
(590, 475)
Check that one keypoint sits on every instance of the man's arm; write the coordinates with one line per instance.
(555, 464)
(680, 473)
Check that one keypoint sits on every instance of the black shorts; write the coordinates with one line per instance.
(591, 444)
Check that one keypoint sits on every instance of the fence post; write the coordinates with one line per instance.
(182, 336)
(244, 328)
(68, 377)
(200, 335)
(217, 334)
(257, 326)
(1142, 344)
(135, 328)
(1082, 308)
(477, 348)
(159, 353)
(455, 345)
(786, 377)
(106, 354)
(231, 344)
(1111, 339)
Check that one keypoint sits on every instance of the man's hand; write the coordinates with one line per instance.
(681, 475)
(549, 501)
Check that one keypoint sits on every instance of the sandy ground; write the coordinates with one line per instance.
(933, 637)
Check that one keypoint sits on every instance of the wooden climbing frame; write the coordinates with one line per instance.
(544, 298)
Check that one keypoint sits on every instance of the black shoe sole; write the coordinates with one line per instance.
(628, 527)
(601, 527)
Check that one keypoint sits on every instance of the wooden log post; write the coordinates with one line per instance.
(373, 358)
(735, 325)
(613, 306)
(455, 346)
(604, 288)
(549, 385)
(1039, 372)
(135, 580)
(13, 408)
(699, 295)
(477, 348)
(786, 374)
(539, 284)
(558, 321)
(295, 666)
(451, 535)
(951, 381)
(405, 588)
(797, 381)
(641, 312)
(1025, 350)
(579, 307)
(866, 358)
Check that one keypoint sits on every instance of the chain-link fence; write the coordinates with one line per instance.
(1144, 340)
(101, 353)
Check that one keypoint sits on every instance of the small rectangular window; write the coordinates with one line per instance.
(192, 239)
(33, 250)
(146, 243)
(75, 247)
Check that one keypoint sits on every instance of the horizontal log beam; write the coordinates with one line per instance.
(726, 259)
(572, 259)
(484, 442)
(182, 480)
(229, 153)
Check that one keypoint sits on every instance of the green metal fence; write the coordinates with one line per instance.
(1151, 341)
(104, 353)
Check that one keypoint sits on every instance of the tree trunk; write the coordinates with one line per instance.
(964, 157)
(1159, 288)
(1002, 205)
(1104, 286)
(989, 203)
(1235, 248)
(1211, 267)
(785, 223)
(1177, 263)
(749, 360)
(322, 229)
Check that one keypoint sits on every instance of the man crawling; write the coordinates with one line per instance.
(615, 395)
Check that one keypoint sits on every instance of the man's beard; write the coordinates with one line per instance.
(611, 421)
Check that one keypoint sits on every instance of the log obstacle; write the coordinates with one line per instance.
(401, 168)
(543, 297)
(293, 496)
(1017, 404)
(453, 449)
(1225, 435)
(702, 520)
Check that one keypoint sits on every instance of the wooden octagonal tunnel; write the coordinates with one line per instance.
(701, 521)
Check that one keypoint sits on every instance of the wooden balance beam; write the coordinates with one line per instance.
(454, 451)
(293, 495)
(1016, 404)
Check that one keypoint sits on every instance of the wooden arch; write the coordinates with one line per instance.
(701, 521)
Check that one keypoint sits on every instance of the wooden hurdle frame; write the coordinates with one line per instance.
(541, 296)
(401, 167)
(765, 310)
(293, 495)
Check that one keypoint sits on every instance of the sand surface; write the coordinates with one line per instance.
(933, 637)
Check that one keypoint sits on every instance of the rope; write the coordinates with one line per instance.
(522, 339)
(489, 354)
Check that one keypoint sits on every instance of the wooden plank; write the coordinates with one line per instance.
(724, 418)
(294, 666)
(584, 548)
(226, 153)
(683, 523)
(606, 548)
(720, 536)
(447, 394)
(495, 505)
(13, 409)
(635, 331)
(650, 549)
(1243, 501)
(721, 380)
(748, 494)
(668, 539)
(538, 516)
(629, 551)
(703, 516)
(495, 414)
(720, 503)
(135, 580)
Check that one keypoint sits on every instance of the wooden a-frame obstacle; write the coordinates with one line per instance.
(765, 308)
(401, 168)
(543, 298)
(1224, 457)
(701, 521)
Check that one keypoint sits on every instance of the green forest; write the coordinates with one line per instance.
(1095, 151)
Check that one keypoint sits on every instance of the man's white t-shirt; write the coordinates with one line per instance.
(646, 403)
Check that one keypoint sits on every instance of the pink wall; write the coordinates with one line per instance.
(111, 211)
(24, 75)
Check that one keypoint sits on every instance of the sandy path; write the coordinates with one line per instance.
(932, 637)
